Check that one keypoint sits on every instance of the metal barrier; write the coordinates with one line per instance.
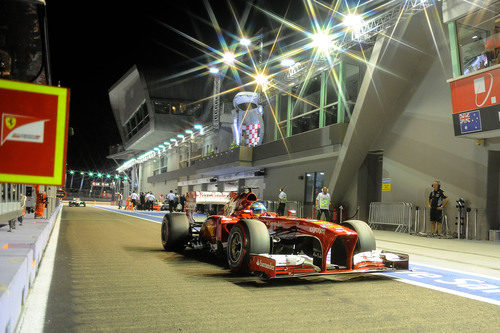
(398, 214)
(272, 206)
(13, 202)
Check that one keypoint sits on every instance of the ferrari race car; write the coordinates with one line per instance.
(261, 243)
(77, 203)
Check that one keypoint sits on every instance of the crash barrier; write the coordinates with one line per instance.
(272, 206)
(12, 204)
(19, 266)
(397, 214)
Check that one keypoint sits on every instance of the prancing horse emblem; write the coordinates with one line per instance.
(10, 122)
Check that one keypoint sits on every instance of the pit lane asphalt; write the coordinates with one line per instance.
(111, 273)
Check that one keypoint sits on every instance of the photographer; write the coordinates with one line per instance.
(436, 202)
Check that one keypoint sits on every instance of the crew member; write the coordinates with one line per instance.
(436, 202)
(135, 198)
(323, 201)
(281, 202)
(41, 199)
(150, 198)
(171, 198)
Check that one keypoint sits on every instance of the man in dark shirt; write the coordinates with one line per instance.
(436, 202)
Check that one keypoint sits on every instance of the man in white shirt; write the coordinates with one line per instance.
(150, 198)
(135, 198)
(171, 198)
(281, 202)
(323, 201)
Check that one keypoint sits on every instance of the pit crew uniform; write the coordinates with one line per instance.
(282, 202)
(324, 205)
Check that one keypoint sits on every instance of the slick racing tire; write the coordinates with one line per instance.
(366, 239)
(174, 231)
(246, 237)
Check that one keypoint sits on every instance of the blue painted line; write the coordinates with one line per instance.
(153, 216)
(465, 284)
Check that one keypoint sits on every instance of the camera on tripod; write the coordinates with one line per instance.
(460, 203)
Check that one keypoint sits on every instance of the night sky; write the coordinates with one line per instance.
(93, 43)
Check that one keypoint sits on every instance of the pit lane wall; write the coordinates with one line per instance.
(21, 252)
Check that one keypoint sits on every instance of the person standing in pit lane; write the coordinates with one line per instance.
(436, 202)
(281, 202)
(323, 201)
(150, 198)
(135, 198)
(171, 198)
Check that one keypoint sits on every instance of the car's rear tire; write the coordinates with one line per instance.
(366, 239)
(174, 231)
(246, 237)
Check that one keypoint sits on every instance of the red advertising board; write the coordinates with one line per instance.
(475, 100)
(33, 133)
(476, 91)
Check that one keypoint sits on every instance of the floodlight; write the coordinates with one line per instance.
(287, 62)
(173, 140)
(322, 41)
(245, 41)
(71, 172)
(91, 173)
(262, 80)
(213, 70)
(82, 173)
(99, 175)
(353, 22)
(180, 136)
(188, 131)
(228, 58)
(161, 146)
(108, 176)
(198, 127)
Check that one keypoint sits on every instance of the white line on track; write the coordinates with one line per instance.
(449, 291)
(33, 316)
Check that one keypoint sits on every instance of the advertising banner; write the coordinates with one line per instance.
(33, 133)
(475, 101)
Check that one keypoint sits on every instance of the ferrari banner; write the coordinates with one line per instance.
(475, 99)
(33, 133)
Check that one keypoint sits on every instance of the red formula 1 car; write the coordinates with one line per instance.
(271, 246)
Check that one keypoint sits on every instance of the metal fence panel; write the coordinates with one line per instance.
(398, 214)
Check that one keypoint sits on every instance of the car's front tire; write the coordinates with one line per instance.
(245, 238)
(366, 239)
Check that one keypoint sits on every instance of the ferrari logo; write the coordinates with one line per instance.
(10, 122)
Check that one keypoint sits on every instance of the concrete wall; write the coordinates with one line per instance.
(422, 147)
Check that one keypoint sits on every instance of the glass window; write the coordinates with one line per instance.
(314, 183)
(479, 39)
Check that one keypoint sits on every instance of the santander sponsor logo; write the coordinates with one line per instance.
(264, 265)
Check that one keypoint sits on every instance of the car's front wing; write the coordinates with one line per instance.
(283, 266)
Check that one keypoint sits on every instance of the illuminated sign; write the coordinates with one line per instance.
(33, 133)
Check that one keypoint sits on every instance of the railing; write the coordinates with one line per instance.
(272, 206)
(397, 214)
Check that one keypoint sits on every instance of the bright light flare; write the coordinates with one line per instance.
(213, 70)
(228, 58)
(287, 62)
(245, 41)
(353, 22)
(323, 41)
(262, 81)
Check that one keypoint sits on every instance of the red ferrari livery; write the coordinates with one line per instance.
(271, 246)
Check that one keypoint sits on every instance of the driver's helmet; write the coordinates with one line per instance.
(258, 208)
